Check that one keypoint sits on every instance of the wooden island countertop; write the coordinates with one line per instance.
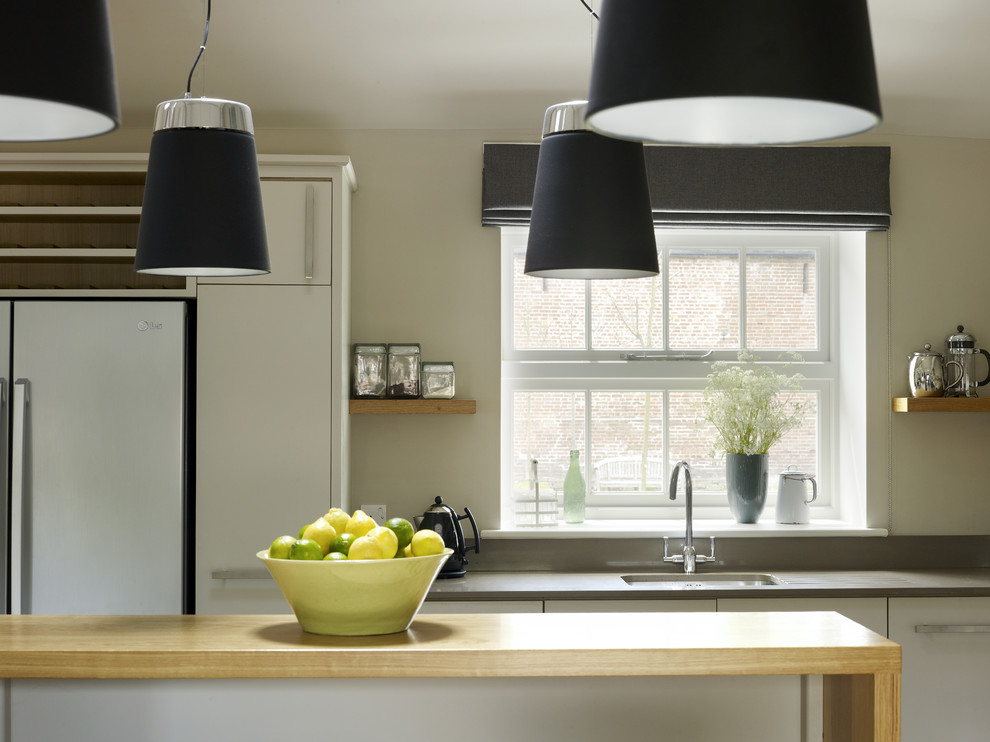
(861, 668)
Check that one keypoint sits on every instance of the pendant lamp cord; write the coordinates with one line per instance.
(202, 47)
(590, 10)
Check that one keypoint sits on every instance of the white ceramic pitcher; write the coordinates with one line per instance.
(792, 489)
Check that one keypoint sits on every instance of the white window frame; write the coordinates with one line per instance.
(593, 370)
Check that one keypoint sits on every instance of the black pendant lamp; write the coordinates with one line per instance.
(58, 78)
(202, 213)
(730, 72)
(591, 217)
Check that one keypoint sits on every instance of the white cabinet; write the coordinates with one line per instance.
(628, 606)
(482, 606)
(272, 370)
(945, 667)
(805, 692)
(299, 221)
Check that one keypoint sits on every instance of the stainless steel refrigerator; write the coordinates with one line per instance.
(94, 417)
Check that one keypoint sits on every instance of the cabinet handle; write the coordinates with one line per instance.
(17, 495)
(310, 256)
(952, 629)
(240, 574)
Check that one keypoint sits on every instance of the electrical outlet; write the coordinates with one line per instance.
(377, 512)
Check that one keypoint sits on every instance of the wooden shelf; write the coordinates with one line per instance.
(412, 406)
(940, 404)
(101, 214)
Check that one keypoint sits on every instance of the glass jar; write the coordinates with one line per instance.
(438, 379)
(403, 370)
(368, 370)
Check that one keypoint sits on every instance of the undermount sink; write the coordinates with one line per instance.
(681, 581)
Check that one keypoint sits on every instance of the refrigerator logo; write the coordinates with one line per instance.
(146, 325)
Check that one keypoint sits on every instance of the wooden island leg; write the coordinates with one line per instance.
(862, 708)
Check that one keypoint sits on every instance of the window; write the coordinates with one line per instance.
(615, 369)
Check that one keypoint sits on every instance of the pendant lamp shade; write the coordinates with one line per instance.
(202, 213)
(591, 216)
(731, 72)
(58, 78)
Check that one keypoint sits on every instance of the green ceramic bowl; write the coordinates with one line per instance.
(358, 597)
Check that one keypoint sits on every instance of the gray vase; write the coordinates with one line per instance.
(746, 476)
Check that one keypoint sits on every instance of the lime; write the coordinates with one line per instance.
(333, 556)
(280, 547)
(426, 542)
(322, 533)
(360, 523)
(305, 548)
(337, 518)
(303, 530)
(403, 530)
(386, 539)
(342, 543)
(365, 547)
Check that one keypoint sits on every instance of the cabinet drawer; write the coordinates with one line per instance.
(945, 659)
(628, 606)
(482, 606)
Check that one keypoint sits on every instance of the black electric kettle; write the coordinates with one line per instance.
(444, 520)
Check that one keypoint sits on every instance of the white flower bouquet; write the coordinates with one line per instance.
(751, 407)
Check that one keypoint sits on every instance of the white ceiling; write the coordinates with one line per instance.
(471, 64)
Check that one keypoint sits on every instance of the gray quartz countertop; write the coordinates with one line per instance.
(610, 585)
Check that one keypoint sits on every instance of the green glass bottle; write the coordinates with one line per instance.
(574, 491)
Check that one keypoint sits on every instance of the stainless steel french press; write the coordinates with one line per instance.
(961, 347)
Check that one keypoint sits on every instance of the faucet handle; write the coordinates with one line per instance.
(676, 559)
(710, 556)
(679, 558)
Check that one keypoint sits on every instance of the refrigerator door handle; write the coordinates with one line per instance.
(310, 258)
(17, 493)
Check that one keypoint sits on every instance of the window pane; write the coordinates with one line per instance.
(704, 299)
(691, 440)
(627, 313)
(627, 441)
(799, 447)
(545, 427)
(547, 313)
(781, 299)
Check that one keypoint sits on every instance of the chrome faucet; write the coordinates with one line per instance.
(688, 556)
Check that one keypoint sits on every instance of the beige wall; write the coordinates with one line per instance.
(417, 238)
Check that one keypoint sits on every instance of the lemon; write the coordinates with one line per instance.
(338, 519)
(334, 556)
(359, 523)
(386, 538)
(407, 552)
(365, 547)
(305, 548)
(322, 533)
(280, 547)
(403, 530)
(342, 543)
(426, 542)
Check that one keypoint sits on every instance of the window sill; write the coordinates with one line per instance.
(675, 529)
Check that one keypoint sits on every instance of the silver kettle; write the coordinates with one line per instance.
(926, 373)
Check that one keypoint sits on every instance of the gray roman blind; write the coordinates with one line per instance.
(724, 187)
